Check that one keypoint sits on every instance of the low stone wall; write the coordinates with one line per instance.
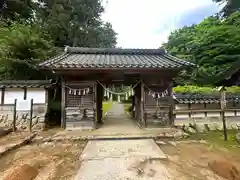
(22, 120)
(212, 123)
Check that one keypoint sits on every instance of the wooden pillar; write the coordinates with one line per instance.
(138, 102)
(172, 106)
(101, 103)
(205, 108)
(223, 105)
(133, 105)
(25, 93)
(63, 104)
(142, 104)
(95, 104)
(3, 96)
(99, 100)
(189, 108)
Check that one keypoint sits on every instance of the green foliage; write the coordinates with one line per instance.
(22, 47)
(213, 45)
(204, 90)
(216, 138)
(76, 23)
(30, 31)
(16, 9)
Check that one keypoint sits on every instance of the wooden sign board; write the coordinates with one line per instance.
(23, 105)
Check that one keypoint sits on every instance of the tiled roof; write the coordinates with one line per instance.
(75, 57)
(26, 83)
(200, 98)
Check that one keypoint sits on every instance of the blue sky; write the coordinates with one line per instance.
(148, 23)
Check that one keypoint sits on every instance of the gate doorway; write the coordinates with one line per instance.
(83, 70)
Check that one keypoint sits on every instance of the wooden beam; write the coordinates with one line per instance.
(63, 104)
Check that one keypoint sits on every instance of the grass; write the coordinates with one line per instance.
(217, 138)
(106, 106)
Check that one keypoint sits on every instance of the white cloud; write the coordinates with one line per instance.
(146, 23)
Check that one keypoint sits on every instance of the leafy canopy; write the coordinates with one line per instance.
(229, 6)
(213, 45)
(30, 31)
(22, 46)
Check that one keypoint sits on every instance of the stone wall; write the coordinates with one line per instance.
(38, 121)
(214, 123)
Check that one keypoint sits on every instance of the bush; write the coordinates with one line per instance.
(204, 90)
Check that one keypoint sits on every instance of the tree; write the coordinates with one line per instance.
(16, 9)
(230, 6)
(76, 23)
(213, 45)
(22, 46)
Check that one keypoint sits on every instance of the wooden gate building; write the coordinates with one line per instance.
(84, 70)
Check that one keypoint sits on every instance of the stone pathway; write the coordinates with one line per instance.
(122, 160)
(118, 122)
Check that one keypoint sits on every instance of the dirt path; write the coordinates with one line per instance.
(187, 161)
(54, 161)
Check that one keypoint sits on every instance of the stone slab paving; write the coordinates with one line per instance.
(122, 148)
(122, 160)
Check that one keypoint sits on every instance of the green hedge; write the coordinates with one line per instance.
(204, 90)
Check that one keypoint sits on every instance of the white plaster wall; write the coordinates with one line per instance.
(37, 94)
(182, 116)
(198, 115)
(181, 106)
(229, 114)
(202, 114)
(13, 93)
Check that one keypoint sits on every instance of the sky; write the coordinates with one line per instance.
(148, 23)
